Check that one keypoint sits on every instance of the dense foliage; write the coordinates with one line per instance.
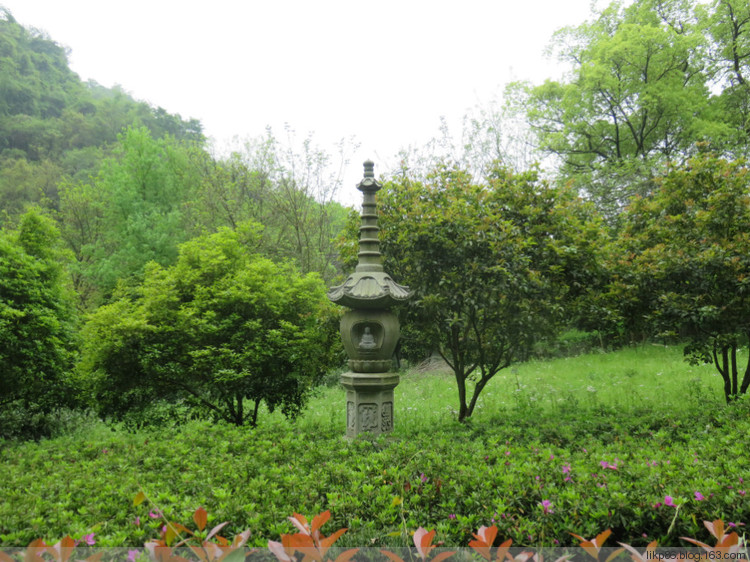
(599, 462)
(683, 265)
(495, 266)
(648, 80)
(52, 125)
(37, 325)
(221, 327)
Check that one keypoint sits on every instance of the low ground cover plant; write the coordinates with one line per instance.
(537, 470)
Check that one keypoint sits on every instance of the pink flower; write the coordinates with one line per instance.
(551, 457)
(154, 514)
(657, 505)
(89, 539)
(132, 555)
(423, 478)
(137, 521)
(668, 501)
(452, 516)
(699, 497)
(741, 492)
(566, 469)
(546, 505)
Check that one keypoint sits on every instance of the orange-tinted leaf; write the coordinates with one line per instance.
(391, 556)
(346, 555)
(300, 522)
(139, 497)
(703, 545)
(320, 520)
(634, 554)
(179, 527)
(423, 541)
(278, 550)
(241, 538)
(729, 540)
(328, 541)
(200, 552)
(716, 528)
(201, 518)
(310, 554)
(601, 538)
(481, 548)
(215, 530)
(442, 556)
(502, 550)
(299, 540)
(614, 555)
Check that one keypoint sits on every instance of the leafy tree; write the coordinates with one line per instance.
(685, 265)
(221, 327)
(288, 188)
(727, 24)
(494, 265)
(37, 318)
(636, 97)
(131, 213)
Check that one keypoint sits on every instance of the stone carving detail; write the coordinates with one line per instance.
(368, 340)
(387, 417)
(351, 418)
(368, 417)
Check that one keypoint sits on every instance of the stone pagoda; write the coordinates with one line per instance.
(369, 330)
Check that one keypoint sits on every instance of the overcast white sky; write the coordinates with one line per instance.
(383, 72)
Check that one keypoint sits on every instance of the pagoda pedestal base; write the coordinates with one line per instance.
(369, 402)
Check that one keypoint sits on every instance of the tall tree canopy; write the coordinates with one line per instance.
(494, 263)
(683, 264)
(642, 91)
(37, 319)
(223, 330)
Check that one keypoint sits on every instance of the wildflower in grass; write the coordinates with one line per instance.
(610, 466)
(452, 516)
(741, 492)
(89, 539)
(699, 497)
(133, 555)
(422, 478)
(154, 514)
(137, 521)
(669, 501)
(547, 506)
(566, 471)
(657, 505)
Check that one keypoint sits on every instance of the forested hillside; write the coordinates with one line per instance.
(53, 125)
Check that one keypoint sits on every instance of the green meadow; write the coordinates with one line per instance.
(636, 441)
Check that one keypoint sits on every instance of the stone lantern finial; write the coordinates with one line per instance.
(369, 331)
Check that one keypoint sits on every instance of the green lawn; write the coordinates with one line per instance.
(603, 437)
